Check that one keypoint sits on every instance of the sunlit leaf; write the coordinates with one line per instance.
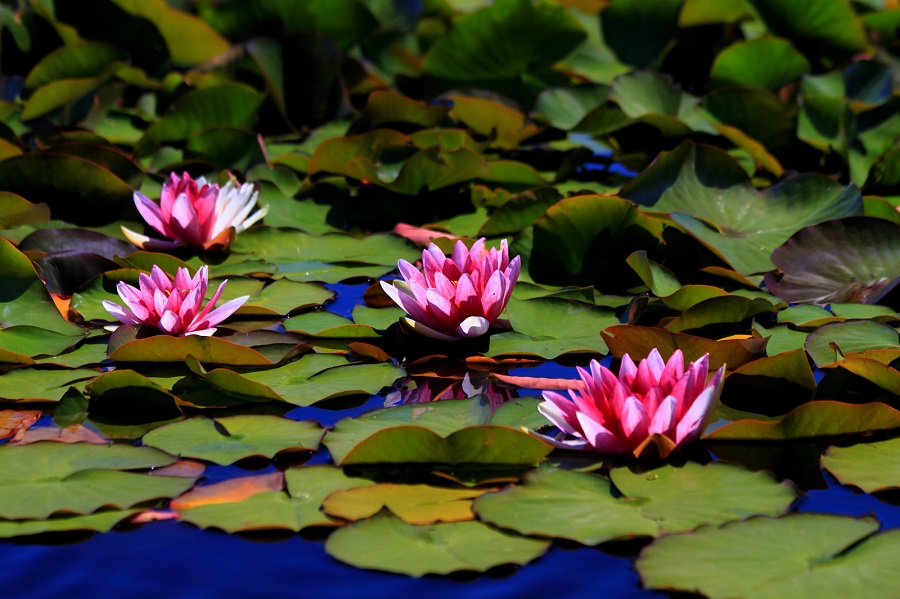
(414, 504)
(231, 438)
(80, 478)
(801, 555)
(387, 543)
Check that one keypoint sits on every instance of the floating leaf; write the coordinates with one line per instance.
(767, 62)
(79, 478)
(319, 376)
(550, 327)
(387, 543)
(682, 182)
(814, 419)
(251, 503)
(870, 466)
(801, 555)
(75, 181)
(209, 350)
(847, 260)
(414, 504)
(41, 383)
(98, 522)
(231, 438)
(828, 343)
(638, 342)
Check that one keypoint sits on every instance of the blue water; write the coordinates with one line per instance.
(175, 560)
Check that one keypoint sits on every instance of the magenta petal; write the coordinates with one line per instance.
(221, 313)
(599, 437)
(123, 315)
(151, 213)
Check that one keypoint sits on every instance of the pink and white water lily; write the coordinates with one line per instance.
(655, 402)
(174, 306)
(456, 297)
(193, 213)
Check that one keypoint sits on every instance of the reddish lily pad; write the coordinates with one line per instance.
(638, 342)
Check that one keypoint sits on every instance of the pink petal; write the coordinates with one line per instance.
(123, 315)
(221, 313)
(663, 422)
(634, 419)
(151, 214)
(492, 296)
(690, 426)
(599, 437)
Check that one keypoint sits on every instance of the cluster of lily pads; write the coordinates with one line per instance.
(679, 181)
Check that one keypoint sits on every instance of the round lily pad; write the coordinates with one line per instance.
(385, 542)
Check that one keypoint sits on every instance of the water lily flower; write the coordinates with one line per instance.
(456, 297)
(195, 214)
(655, 402)
(173, 306)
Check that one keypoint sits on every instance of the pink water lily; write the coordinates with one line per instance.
(655, 402)
(195, 214)
(173, 306)
(456, 297)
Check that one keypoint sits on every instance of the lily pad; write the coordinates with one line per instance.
(384, 542)
(638, 342)
(870, 466)
(231, 438)
(812, 420)
(414, 504)
(80, 478)
(549, 327)
(258, 503)
(584, 507)
(848, 260)
(41, 383)
(680, 183)
(828, 343)
(802, 555)
(98, 522)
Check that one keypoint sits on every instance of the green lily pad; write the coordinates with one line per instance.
(638, 31)
(812, 420)
(384, 542)
(97, 522)
(16, 210)
(41, 383)
(827, 28)
(35, 342)
(802, 555)
(24, 300)
(235, 509)
(445, 432)
(414, 504)
(231, 438)
(870, 466)
(680, 183)
(80, 478)
(558, 503)
(828, 343)
(549, 327)
(766, 62)
(209, 350)
(80, 191)
(229, 104)
(315, 377)
(487, 48)
(327, 324)
(283, 297)
(287, 246)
